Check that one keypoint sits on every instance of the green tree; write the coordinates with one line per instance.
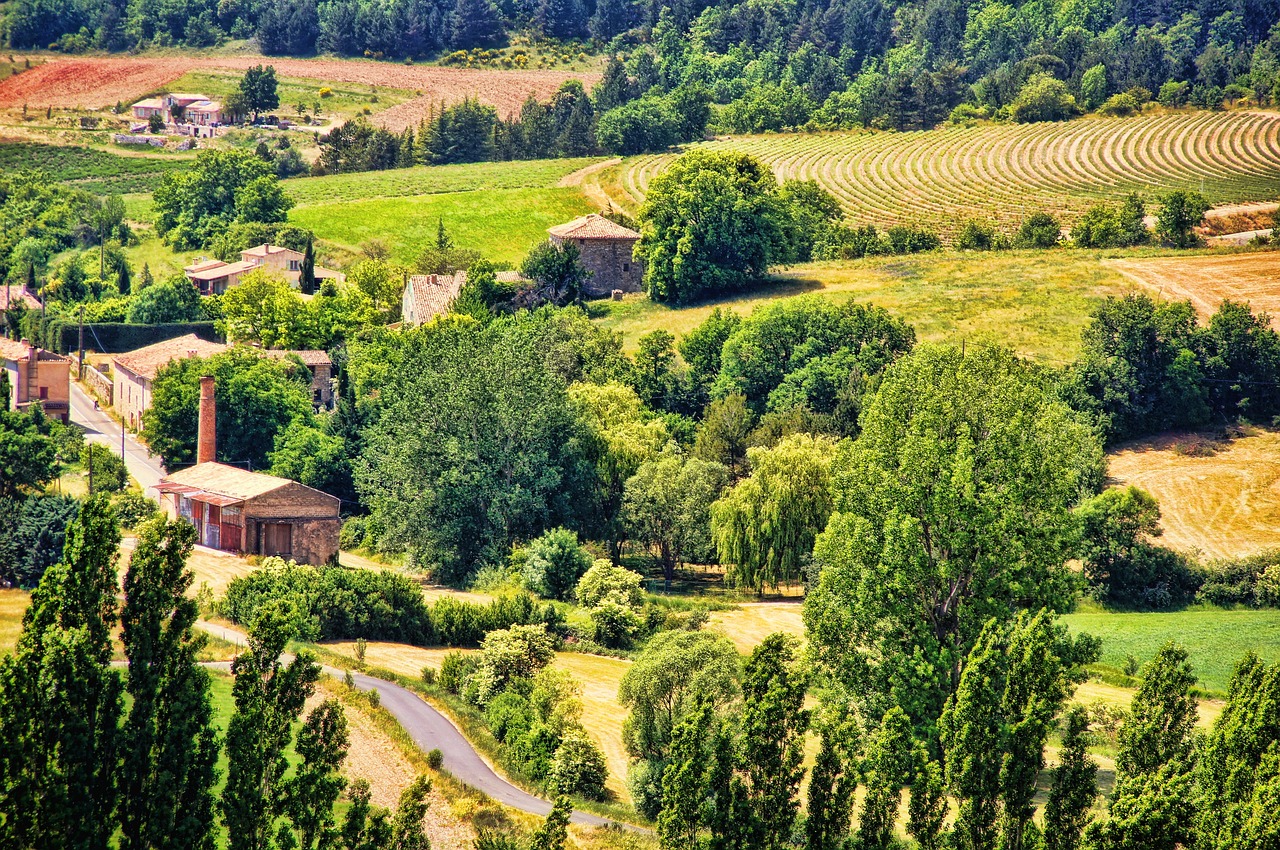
(60, 703)
(832, 784)
(170, 744)
(309, 795)
(261, 309)
(1043, 98)
(885, 769)
(109, 474)
(258, 91)
(722, 437)
(667, 507)
(476, 23)
(175, 300)
(711, 223)
(952, 507)
(554, 563)
(774, 723)
(684, 779)
(307, 275)
(258, 399)
(1093, 86)
(1180, 212)
(269, 697)
(198, 204)
(28, 457)
(553, 831)
(701, 348)
(1074, 787)
(1039, 230)
(556, 272)
(765, 526)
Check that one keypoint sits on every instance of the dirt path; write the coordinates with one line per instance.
(590, 188)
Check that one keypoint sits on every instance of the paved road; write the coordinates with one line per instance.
(431, 730)
(145, 468)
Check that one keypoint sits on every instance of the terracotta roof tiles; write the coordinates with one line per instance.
(592, 226)
(145, 362)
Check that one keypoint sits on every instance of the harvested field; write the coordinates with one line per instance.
(100, 82)
(217, 569)
(602, 716)
(748, 625)
(13, 605)
(942, 177)
(1209, 280)
(1220, 498)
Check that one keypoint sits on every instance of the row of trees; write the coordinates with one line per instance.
(95, 752)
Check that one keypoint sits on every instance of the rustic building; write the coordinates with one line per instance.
(429, 295)
(135, 371)
(214, 277)
(606, 249)
(38, 377)
(321, 367)
(249, 512)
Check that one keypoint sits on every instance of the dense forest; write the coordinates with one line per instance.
(832, 63)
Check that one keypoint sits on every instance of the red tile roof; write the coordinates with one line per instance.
(13, 295)
(429, 295)
(593, 226)
(145, 362)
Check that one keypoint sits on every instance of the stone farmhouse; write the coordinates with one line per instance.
(38, 377)
(214, 277)
(135, 371)
(606, 249)
(249, 512)
(429, 295)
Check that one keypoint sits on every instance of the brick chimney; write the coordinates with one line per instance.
(207, 438)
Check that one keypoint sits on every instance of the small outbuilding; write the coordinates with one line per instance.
(606, 249)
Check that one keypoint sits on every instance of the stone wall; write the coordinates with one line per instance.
(99, 384)
(610, 264)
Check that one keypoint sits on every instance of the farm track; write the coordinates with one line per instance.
(943, 177)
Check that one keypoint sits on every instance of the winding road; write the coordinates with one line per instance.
(428, 728)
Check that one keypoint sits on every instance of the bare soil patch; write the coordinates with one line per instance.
(100, 82)
(1208, 280)
(1222, 499)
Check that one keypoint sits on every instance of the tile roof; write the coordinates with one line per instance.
(430, 294)
(593, 226)
(213, 272)
(265, 250)
(308, 357)
(145, 362)
(224, 480)
(13, 294)
(150, 103)
(12, 349)
(205, 106)
(202, 265)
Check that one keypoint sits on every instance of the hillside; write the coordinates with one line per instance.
(1004, 172)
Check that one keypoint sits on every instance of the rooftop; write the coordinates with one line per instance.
(223, 480)
(12, 295)
(217, 269)
(593, 226)
(432, 294)
(205, 106)
(265, 250)
(150, 103)
(12, 349)
(309, 357)
(145, 362)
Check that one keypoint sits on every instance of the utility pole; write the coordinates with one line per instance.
(81, 372)
(90, 446)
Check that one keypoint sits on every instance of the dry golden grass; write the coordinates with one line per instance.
(1094, 691)
(1206, 281)
(602, 716)
(748, 625)
(430, 592)
(1226, 504)
(216, 569)
(13, 604)
(397, 657)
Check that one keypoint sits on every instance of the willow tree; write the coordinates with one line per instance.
(764, 528)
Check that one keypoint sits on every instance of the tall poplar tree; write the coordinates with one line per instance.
(170, 742)
(60, 702)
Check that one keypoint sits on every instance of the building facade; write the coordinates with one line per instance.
(214, 277)
(429, 295)
(134, 371)
(38, 377)
(606, 251)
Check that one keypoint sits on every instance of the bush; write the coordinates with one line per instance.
(509, 715)
(133, 509)
(579, 766)
(1043, 98)
(435, 759)
(455, 669)
(904, 239)
(606, 581)
(848, 243)
(1254, 581)
(1120, 105)
(1174, 94)
(1039, 230)
(106, 468)
(554, 564)
(32, 533)
(352, 535)
(977, 236)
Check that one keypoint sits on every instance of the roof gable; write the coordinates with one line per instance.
(593, 226)
(145, 362)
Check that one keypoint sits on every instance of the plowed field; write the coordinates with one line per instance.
(104, 81)
(1207, 281)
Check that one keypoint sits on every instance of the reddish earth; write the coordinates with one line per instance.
(104, 81)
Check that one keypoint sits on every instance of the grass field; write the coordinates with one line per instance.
(501, 224)
(1207, 281)
(1221, 498)
(1036, 302)
(748, 625)
(87, 168)
(344, 99)
(1215, 637)
(433, 179)
(13, 604)
(1005, 172)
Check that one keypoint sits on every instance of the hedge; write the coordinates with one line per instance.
(61, 334)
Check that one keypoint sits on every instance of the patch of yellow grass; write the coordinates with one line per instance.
(748, 625)
(397, 657)
(1094, 691)
(13, 604)
(602, 715)
(1036, 302)
(1225, 503)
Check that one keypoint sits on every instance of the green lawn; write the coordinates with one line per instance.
(345, 99)
(429, 180)
(1036, 302)
(501, 224)
(1215, 637)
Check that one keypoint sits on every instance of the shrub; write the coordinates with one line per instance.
(1174, 94)
(352, 535)
(1039, 230)
(133, 509)
(616, 625)
(435, 759)
(1043, 98)
(1180, 213)
(455, 669)
(579, 766)
(509, 715)
(904, 239)
(1254, 580)
(1120, 105)
(848, 243)
(1099, 227)
(606, 581)
(555, 562)
(519, 652)
(977, 236)
(106, 468)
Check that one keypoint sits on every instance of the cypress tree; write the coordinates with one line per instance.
(171, 745)
(124, 284)
(307, 278)
(774, 723)
(476, 23)
(885, 770)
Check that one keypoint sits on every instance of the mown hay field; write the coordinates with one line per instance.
(1207, 281)
(13, 605)
(942, 177)
(1036, 302)
(1220, 498)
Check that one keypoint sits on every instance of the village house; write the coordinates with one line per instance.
(214, 277)
(249, 512)
(16, 296)
(38, 377)
(321, 369)
(134, 371)
(180, 108)
(605, 248)
(429, 295)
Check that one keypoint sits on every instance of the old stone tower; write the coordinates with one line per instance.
(606, 252)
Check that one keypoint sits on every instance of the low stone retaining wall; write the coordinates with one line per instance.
(99, 384)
